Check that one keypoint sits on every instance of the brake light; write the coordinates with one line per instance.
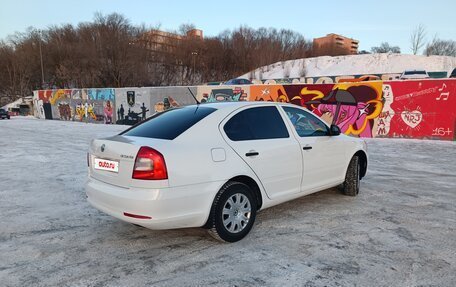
(149, 165)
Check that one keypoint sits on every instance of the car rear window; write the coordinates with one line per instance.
(170, 124)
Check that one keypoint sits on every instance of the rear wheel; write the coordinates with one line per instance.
(351, 184)
(233, 212)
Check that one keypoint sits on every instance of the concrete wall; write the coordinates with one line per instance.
(424, 109)
(335, 79)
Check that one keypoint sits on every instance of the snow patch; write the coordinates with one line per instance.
(354, 65)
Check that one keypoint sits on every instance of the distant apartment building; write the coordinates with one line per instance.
(334, 45)
(161, 43)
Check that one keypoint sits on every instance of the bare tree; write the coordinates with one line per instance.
(441, 47)
(386, 48)
(417, 38)
(185, 28)
(111, 52)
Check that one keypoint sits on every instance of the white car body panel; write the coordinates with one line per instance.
(185, 206)
(202, 159)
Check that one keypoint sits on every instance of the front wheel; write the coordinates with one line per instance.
(233, 212)
(352, 178)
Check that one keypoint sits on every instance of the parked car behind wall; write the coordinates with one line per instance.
(414, 74)
(453, 74)
(238, 82)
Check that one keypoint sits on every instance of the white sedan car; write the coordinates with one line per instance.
(215, 165)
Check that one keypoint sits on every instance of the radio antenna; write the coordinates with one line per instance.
(193, 95)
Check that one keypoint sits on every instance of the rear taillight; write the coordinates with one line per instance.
(149, 165)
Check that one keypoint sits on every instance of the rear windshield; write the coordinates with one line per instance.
(415, 73)
(170, 124)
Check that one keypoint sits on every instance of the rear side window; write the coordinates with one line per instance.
(256, 124)
(170, 124)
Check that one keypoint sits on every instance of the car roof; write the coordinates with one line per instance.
(240, 104)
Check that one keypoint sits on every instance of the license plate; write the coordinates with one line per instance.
(104, 164)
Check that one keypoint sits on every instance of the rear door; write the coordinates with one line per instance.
(261, 138)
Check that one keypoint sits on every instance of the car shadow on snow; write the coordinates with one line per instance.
(278, 215)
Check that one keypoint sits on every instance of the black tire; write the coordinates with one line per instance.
(351, 184)
(215, 224)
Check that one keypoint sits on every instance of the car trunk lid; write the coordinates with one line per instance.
(112, 161)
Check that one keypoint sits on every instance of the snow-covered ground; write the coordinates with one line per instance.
(400, 230)
(353, 65)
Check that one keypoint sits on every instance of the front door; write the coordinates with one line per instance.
(323, 155)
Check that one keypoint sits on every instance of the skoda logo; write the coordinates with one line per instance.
(102, 148)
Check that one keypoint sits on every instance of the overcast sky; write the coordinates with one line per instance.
(370, 22)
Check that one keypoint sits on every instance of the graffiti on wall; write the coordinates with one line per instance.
(61, 104)
(137, 104)
(133, 105)
(354, 107)
(88, 105)
(419, 109)
(223, 93)
(43, 107)
(387, 113)
(102, 101)
(164, 98)
(405, 109)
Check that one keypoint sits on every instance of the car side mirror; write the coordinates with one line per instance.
(334, 130)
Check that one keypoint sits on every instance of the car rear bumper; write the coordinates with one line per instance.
(168, 208)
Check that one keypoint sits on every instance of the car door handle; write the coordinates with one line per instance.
(252, 153)
(307, 147)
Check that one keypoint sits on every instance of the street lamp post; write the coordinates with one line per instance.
(41, 60)
(194, 54)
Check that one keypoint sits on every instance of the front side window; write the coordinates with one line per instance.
(256, 124)
(306, 124)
